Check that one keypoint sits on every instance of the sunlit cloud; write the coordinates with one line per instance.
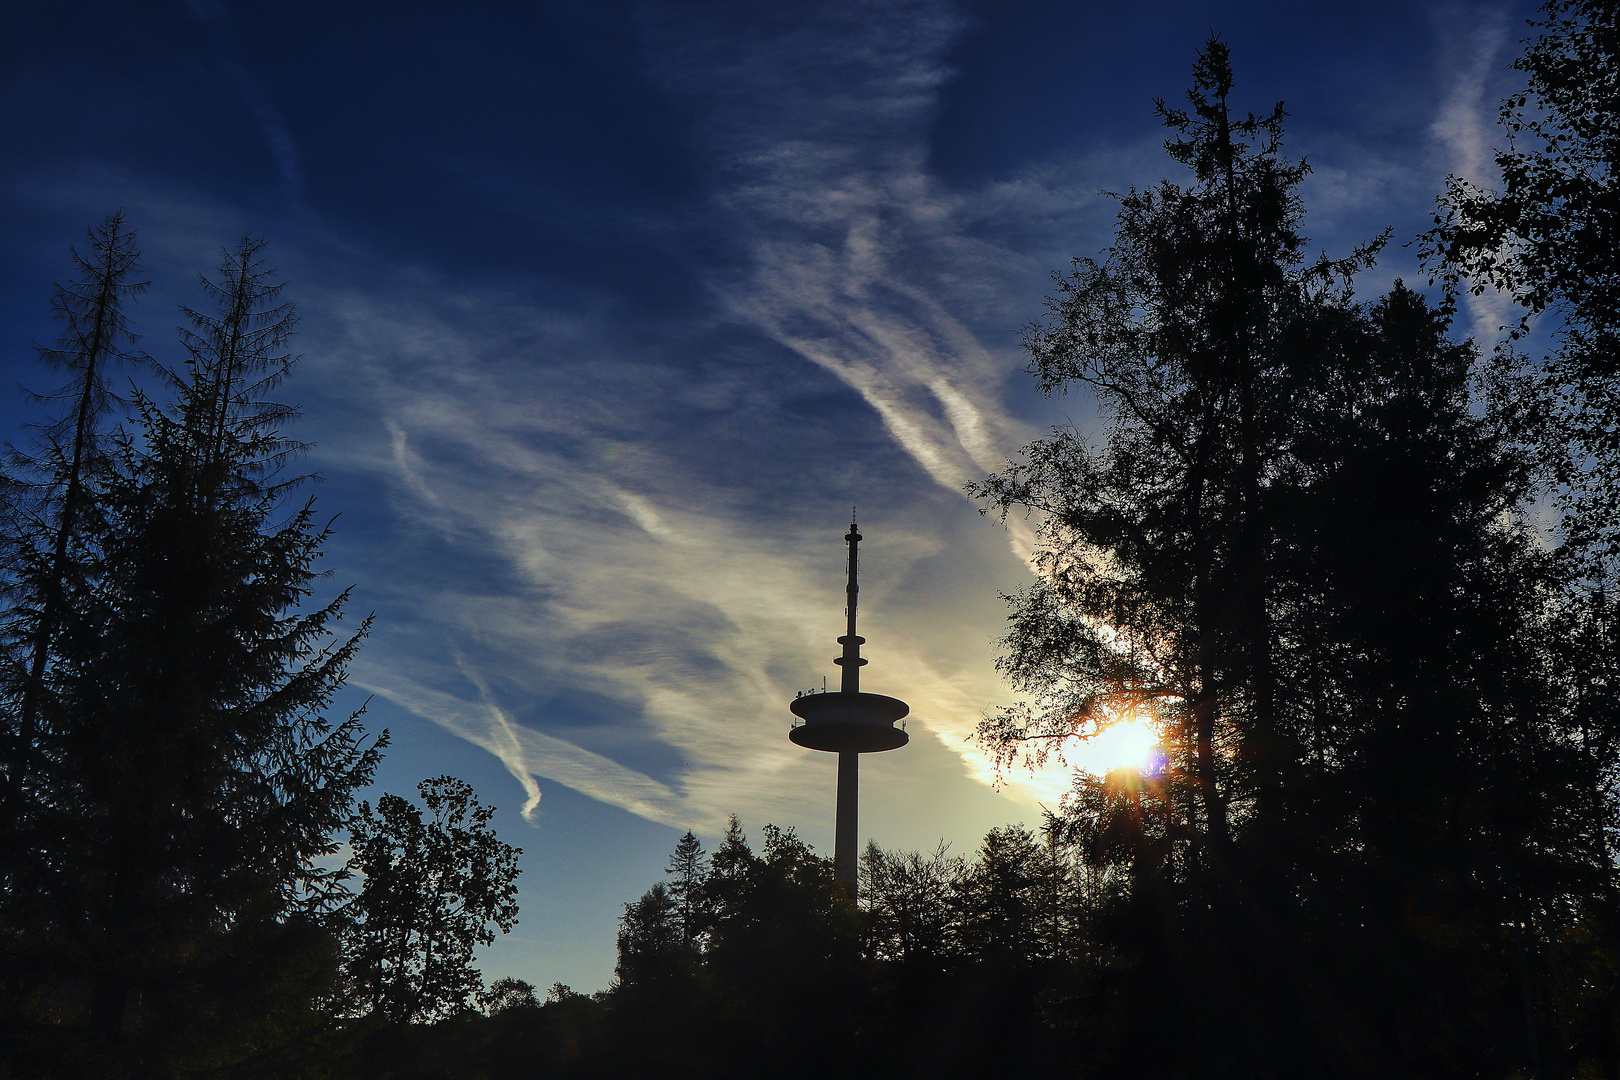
(595, 442)
(610, 561)
(688, 597)
(689, 617)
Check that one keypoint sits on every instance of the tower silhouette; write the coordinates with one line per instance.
(849, 724)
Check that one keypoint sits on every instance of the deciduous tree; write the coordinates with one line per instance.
(1547, 236)
(434, 889)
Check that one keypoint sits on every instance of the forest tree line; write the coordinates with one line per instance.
(1357, 572)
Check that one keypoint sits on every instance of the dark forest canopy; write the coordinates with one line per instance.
(1307, 549)
(1382, 841)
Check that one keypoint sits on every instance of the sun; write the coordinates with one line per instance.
(1128, 743)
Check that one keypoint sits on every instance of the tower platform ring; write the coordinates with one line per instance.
(843, 722)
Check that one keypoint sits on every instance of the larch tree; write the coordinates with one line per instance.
(651, 943)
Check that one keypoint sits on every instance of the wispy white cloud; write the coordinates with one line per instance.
(665, 524)
(527, 752)
(688, 610)
(1474, 42)
(610, 563)
(861, 262)
(272, 127)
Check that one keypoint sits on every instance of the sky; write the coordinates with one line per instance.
(612, 310)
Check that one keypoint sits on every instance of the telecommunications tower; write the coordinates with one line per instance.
(848, 723)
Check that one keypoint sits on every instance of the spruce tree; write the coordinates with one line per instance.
(51, 487)
(688, 868)
(199, 781)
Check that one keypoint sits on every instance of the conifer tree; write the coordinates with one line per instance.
(651, 943)
(50, 493)
(1301, 547)
(1156, 583)
(1007, 899)
(199, 780)
(688, 868)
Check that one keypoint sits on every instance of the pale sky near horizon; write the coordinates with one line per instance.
(611, 310)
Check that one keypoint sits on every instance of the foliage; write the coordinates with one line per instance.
(688, 867)
(182, 780)
(910, 902)
(1155, 574)
(434, 889)
(53, 491)
(508, 993)
(45, 502)
(1300, 549)
(1546, 238)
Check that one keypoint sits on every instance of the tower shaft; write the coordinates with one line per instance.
(846, 828)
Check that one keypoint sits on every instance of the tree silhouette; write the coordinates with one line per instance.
(48, 493)
(53, 491)
(1546, 238)
(911, 902)
(1156, 585)
(652, 946)
(688, 867)
(1302, 548)
(194, 779)
(434, 889)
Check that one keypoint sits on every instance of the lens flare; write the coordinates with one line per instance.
(1127, 743)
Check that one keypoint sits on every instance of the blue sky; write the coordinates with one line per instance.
(611, 310)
